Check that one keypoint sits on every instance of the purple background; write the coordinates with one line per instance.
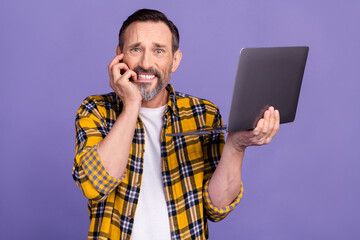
(304, 185)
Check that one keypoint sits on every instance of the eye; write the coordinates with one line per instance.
(135, 50)
(159, 51)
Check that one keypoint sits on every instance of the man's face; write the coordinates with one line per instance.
(148, 51)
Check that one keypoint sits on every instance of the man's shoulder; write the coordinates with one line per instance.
(184, 98)
(92, 102)
(102, 98)
(187, 100)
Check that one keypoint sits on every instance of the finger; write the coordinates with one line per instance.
(119, 66)
(117, 59)
(116, 69)
(276, 124)
(269, 134)
(127, 75)
(271, 121)
(259, 126)
(264, 131)
(133, 75)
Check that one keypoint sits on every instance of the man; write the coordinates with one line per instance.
(142, 184)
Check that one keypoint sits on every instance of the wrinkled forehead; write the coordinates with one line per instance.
(147, 32)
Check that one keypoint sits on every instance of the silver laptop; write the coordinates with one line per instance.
(265, 77)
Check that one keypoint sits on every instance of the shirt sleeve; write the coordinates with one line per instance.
(88, 171)
(216, 214)
(212, 149)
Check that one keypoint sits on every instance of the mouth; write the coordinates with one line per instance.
(145, 77)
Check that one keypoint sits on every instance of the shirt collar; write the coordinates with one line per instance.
(172, 104)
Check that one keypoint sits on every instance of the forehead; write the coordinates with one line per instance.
(153, 32)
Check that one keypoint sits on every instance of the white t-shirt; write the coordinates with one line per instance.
(151, 217)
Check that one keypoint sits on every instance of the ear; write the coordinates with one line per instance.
(118, 50)
(176, 60)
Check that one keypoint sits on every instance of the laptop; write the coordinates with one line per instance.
(269, 76)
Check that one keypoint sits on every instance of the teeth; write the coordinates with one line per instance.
(143, 76)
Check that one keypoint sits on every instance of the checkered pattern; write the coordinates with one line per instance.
(95, 172)
(218, 213)
(188, 162)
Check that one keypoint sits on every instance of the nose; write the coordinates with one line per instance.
(146, 61)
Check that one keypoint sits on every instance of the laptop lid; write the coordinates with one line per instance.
(265, 77)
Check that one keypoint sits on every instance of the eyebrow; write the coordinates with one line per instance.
(159, 45)
(134, 45)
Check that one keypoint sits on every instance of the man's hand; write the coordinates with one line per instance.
(266, 129)
(121, 83)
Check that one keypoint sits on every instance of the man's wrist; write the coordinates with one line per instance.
(132, 107)
(238, 148)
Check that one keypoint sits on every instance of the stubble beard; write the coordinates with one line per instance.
(146, 94)
(143, 88)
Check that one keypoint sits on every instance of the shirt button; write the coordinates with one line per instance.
(137, 184)
(143, 150)
(130, 215)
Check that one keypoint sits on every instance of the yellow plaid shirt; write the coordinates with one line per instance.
(188, 162)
